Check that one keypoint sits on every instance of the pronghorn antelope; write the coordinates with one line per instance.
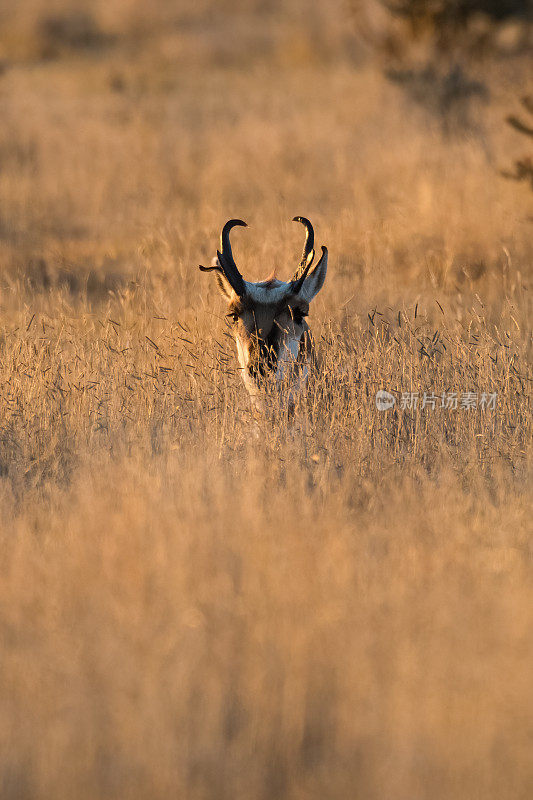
(268, 319)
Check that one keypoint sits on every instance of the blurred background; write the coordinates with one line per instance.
(130, 132)
(336, 609)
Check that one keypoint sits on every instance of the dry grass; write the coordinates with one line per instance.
(337, 609)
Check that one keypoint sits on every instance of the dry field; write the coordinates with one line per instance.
(337, 609)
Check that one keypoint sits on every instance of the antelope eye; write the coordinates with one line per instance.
(233, 316)
(298, 315)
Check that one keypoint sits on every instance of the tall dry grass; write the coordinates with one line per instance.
(338, 608)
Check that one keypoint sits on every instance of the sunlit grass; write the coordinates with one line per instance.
(198, 603)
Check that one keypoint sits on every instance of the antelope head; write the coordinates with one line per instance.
(268, 317)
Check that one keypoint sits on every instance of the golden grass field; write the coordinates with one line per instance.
(339, 608)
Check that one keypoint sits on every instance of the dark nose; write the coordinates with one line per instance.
(263, 359)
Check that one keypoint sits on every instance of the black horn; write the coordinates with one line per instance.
(226, 261)
(298, 282)
(308, 252)
(225, 257)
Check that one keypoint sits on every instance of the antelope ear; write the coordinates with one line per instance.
(315, 279)
(223, 283)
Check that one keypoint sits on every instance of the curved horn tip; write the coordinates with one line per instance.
(234, 222)
(303, 220)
